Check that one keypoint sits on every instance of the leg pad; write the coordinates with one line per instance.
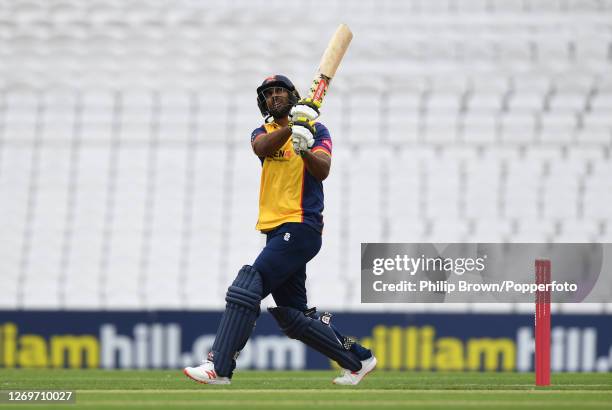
(316, 334)
(241, 311)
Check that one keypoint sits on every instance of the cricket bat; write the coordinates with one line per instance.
(329, 62)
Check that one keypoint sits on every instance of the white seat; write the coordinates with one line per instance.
(91, 188)
(448, 87)
(526, 102)
(578, 229)
(515, 53)
(443, 103)
(480, 128)
(43, 268)
(11, 247)
(583, 5)
(442, 189)
(97, 97)
(247, 118)
(605, 236)
(602, 102)
(170, 185)
(491, 230)
(552, 51)
(595, 129)
(581, 154)
(405, 187)
(163, 269)
(560, 199)
(20, 116)
(520, 193)
(365, 123)
(592, 50)
(212, 121)
(403, 127)
(332, 116)
(130, 189)
(15, 172)
(448, 230)
(406, 228)
(485, 103)
(568, 103)
(136, 115)
(595, 199)
(174, 125)
(206, 204)
(58, 116)
(441, 129)
(534, 228)
(476, 6)
(81, 287)
(40, 294)
(11, 299)
(364, 196)
(538, 83)
(558, 128)
(122, 286)
(243, 241)
(517, 128)
(52, 188)
(483, 184)
(325, 287)
(537, 155)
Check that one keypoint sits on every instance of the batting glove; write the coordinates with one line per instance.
(306, 108)
(302, 135)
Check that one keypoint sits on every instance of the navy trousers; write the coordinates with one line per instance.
(282, 265)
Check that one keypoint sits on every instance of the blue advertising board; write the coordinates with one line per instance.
(173, 339)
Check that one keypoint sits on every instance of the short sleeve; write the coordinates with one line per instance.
(323, 140)
(257, 132)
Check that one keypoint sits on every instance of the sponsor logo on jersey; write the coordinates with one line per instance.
(282, 155)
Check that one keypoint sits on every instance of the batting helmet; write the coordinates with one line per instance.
(276, 81)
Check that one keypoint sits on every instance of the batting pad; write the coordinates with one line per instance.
(315, 334)
(241, 312)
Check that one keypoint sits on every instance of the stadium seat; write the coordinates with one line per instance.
(595, 129)
(518, 127)
(557, 128)
(480, 129)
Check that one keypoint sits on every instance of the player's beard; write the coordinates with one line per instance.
(280, 107)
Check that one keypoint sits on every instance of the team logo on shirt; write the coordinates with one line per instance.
(286, 237)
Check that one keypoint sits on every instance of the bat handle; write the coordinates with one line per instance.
(319, 88)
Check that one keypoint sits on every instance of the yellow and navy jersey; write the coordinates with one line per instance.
(288, 192)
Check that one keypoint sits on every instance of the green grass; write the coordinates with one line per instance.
(99, 389)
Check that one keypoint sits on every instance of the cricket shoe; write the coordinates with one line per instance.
(352, 378)
(205, 373)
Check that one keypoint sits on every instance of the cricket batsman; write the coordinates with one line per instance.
(295, 153)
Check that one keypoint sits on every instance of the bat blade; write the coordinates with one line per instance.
(330, 61)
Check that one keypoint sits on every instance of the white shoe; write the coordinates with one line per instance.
(351, 378)
(205, 373)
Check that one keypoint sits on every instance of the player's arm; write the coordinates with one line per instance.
(266, 144)
(317, 163)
